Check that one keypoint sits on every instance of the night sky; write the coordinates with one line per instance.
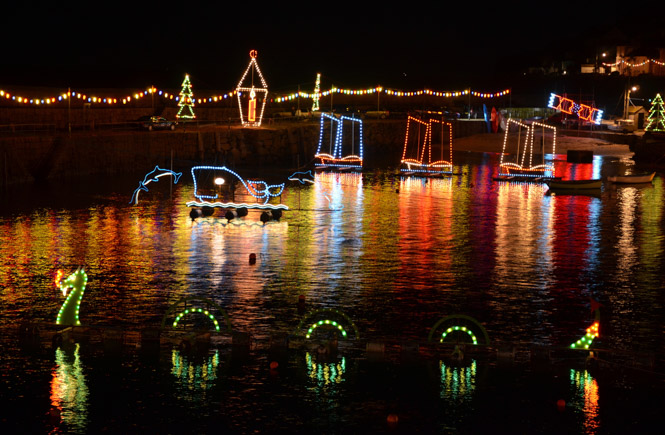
(130, 45)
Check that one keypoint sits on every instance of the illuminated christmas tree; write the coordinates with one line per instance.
(186, 101)
(656, 116)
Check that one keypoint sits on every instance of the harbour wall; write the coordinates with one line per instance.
(285, 146)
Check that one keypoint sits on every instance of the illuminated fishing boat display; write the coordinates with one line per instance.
(422, 137)
(215, 187)
(342, 154)
(524, 149)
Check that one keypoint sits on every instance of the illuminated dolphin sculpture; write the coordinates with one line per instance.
(151, 176)
(302, 177)
(69, 312)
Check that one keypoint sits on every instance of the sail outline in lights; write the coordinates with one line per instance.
(335, 158)
(524, 165)
(421, 162)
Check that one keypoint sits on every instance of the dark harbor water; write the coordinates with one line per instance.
(394, 254)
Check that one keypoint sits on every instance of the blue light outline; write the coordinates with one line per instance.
(149, 177)
(261, 194)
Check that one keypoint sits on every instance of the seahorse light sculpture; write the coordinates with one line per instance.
(69, 312)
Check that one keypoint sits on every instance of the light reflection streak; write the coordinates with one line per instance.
(625, 246)
(325, 374)
(651, 207)
(426, 216)
(458, 383)
(586, 398)
(339, 238)
(195, 376)
(69, 390)
(524, 221)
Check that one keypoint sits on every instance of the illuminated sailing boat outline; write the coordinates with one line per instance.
(335, 159)
(423, 164)
(524, 166)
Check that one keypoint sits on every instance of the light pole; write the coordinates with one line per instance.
(626, 101)
(597, 63)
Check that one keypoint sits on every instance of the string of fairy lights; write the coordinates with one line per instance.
(314, 96)
(84, 97)
(633, 65)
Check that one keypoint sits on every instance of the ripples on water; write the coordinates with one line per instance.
(395, 254)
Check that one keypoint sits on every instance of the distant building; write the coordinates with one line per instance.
(637, 115)
(633, 61)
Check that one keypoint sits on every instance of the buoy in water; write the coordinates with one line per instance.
(252, 258)
(208, 211)
(195, 213)
(242, 212)
(274, 365)
(230, 214)
(266, 216)
(276, 214)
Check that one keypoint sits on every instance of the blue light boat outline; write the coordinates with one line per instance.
(260, 190)
(334, 158)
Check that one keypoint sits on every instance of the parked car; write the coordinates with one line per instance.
(382, 114)
(621, 125)
(156, 123)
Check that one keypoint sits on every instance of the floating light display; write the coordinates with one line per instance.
(317, 94)
(253, 118)
(186, 102)
(334, 158)
(524, 166)
(151, 176)
(258, 189)
(194, 311)
(69, 312)
(325, 322)
(583, 111)
(591, 333)
(421, 162)
(456, 328)
(329, 318)
(656, 117)
(302, 177)
(459, 324)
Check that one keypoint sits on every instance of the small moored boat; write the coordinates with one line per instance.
(632, 179)
(574, 184)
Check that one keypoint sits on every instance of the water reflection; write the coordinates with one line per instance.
(586, 397)
(195, 374)
(458, 383)
(69, 390)
(393, 252)
(325, 375)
